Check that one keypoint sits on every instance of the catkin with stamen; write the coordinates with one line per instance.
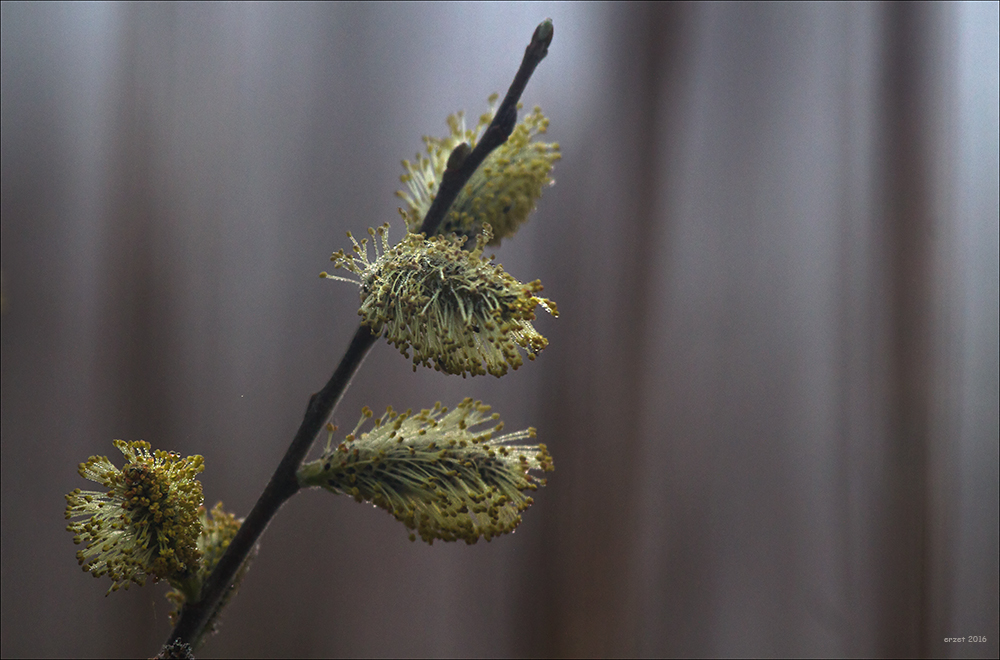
(435, 472)
(457, 311)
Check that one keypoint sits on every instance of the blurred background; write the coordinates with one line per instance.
(771, 395)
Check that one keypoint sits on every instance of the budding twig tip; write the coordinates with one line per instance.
(543, 33)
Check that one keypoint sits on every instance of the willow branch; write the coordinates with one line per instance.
(283, 484)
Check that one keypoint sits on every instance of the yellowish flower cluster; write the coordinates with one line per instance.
(147, 523)
(434, 473)
(502, 192)
(457, 310)
(217, 531)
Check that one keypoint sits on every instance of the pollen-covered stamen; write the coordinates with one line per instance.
(458, 311)
(436, 472)
(358, 263)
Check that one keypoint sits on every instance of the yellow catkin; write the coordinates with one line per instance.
(434, 474)
(457, 311)
(502, 192)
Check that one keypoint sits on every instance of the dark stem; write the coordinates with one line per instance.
(496, 133)
(283, 484)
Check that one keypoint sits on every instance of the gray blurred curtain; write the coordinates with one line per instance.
(772, 392)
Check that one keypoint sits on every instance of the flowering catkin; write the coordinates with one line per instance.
(434, 473)
(219, 528)
(503, 191)
(147, 524)
(458, 311)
